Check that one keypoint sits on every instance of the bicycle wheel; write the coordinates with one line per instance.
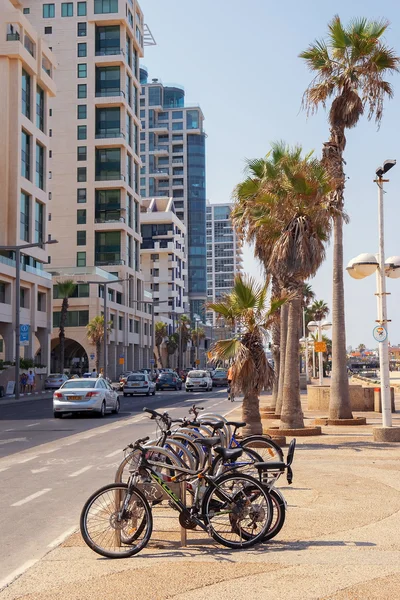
(244, 464)
(107, 534)
(264, 446)
(279, 516)
(238, 512)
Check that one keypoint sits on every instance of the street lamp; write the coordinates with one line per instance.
(18, 250)
(198, 320)
(319, 326)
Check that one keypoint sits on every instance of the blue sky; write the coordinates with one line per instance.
(239, 62)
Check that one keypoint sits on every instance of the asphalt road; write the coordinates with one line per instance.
(49, 467)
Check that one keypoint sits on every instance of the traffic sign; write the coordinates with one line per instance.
(152, 361)
(197, 361)
(121, 361)
(320, 346)
(24, 331)
(380, 333)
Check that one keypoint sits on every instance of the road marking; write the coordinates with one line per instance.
(31, 497)
(10, 578)
(39, 470)
(61, 538)
(3, 442)
(21, 462)
(113, 454)
(9, 430)
(80, 471)
(33, 424)
(72, 443)
(51, 450)
(4, 469)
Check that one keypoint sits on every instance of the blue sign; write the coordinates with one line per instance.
(24, 334)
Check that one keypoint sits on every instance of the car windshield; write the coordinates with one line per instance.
(55, 376)
(166, 376)
(196, 374)
(136, 378)
(219, 374)
(74, 384)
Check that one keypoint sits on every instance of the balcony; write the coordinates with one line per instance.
(161, 171)
(111, 220)
(110, 52)
(177, 161)
(27, 268)
(13, 37)
(109, 176)
(111, 93)
(108, 263)
(160, 150)
(109, 133)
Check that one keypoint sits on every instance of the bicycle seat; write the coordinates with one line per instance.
(236, 423)
(229, 453)
(270, 466)
(213, 424)
(209, 442)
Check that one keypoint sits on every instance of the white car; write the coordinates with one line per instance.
(85, 395)
(139, 383)
(54, 381)
(198, 380)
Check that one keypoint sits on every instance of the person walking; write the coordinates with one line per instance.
(31, 381)
(23, 381)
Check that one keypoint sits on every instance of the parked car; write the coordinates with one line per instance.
(198, 380)
(139, 383)
(220, 377)
(85, 395)
(168, 381)
(54, 381)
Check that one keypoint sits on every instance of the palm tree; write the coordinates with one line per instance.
(160, 332)
(319, 310)
(172, 346)
(350, 69)
(183, 337)
(65, 290)
(196, 335)
(95, 334)
(246, 307)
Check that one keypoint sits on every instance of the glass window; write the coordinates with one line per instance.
(81, 196)
(82, 153)
(39, 222)
(108, 205)
(82, 49)
(24, 217)
(120, 323)
(82, 132)
(67, 9)
(82, 111)
(81, 216)
(26, 94)
(39, 108)
(108, 40)
(192, 119)
(48, 31)
(105, 6)
(25, 155)
(108, 163)
(82, 90)
(81, 9)
(81, 174)
(49, 11)
(107, 247)
(177, 137)
(81, 29)
(155, 96)
(108, 81)
(2, 301)
(26, 11)
(177, 126)
(82, 70)
(81, 238)
(177, 114)
(81, 259)
(39, 166)
(108, 122)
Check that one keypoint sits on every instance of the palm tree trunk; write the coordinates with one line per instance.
(160, 357)
(276, 340)
(98, 350)
(251, 414)
(283, 339)
(292, 413)
(61, 335)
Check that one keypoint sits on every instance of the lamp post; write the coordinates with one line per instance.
(367, 264)
(319, 326)
(198, 320)
(18, 250)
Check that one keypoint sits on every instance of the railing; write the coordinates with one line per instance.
(109, 134)
(110, 52)
(160, 149)
(119, 220)
(162, 171)
(13, 37)
(106, 176)
(109, 93)
(27, 268)
(110, 263)
(177, 161)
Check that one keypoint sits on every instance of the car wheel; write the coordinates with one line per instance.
(117, 407)
(147, 393)
(58, 415)
(125, 395)
(154, 393)
(102, 410)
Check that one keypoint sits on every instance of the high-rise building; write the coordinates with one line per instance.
(26, 87)
(95, 202)
(224, 254)
(172, 150)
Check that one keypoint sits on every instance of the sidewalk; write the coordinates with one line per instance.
(27, 396)
(340, 540)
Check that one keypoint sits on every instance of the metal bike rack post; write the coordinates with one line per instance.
(183, 530)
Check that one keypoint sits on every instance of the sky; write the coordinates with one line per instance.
(239, 61)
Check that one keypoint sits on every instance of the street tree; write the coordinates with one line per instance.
(160, 333)
(65, 290)
(95, 335)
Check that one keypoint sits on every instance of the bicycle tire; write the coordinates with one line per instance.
(251, 454)
(252, 485)
(278, 517)
(87, 532)
(258, 443)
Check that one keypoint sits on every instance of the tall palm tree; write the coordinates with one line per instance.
(65, 290)
(246, 307)
(319, 310)
(183, 337)
(160, 333)
(95, 334)
(172, 346)
(350, 69)
(196, 335)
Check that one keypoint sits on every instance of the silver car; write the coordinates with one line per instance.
(85, 395)
(198, 380)
(54, 381)
(139, 383)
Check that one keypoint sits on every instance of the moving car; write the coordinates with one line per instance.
(54, 381)
(220, 377)
(168, 381)
(139, 383)
(198, 380)
(85, 395)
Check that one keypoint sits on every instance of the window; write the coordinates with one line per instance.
(67, 9)
(108, 81)
(26, 11)
(81, 9)
(107, 248)
(81, 259)
(136, 326)
(192, 119)
(81, 153)
(81, 216)
(39, 166)
(48, 31)
(82, 90)
(41, 302)
(81, 291)
(40, 108)
(25, 155)
(82, 70)
(177, 126)
(81, 238)
(105, 6)
(108, 164)
(177, 182)
(177, 114)
(75, 318)
(177, 137)
(82, 132)
(82, 49)
(81, 174)
(108, 122)
(24, 217)
(120, 323)
(82, 111)
(39, 222)
(49, 11)
(26, 94)
(81, 29)
(2, 294)
(130, 324)
(24, 298)
(81, 196)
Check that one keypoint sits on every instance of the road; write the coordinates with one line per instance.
(49, 467)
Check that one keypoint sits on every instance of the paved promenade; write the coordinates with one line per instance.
(341, 540)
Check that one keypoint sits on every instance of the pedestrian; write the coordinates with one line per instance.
(23, 382)
(93, 374)
(31, 381)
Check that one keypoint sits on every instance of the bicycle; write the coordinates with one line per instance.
(235, 509)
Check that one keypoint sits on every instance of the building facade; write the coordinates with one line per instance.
(172, 150)
(27, 88)
(224, 254)
(94, 210)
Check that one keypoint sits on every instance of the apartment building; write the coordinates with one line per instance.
(224, 254)
(172, 150)
(27, 87)
(95, 203)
